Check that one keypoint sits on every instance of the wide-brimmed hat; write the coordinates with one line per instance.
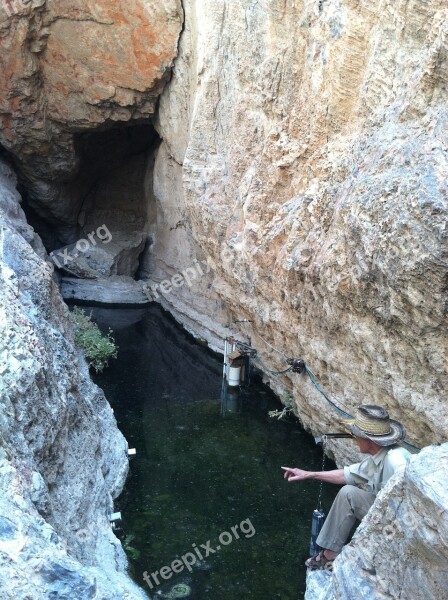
(373, 423)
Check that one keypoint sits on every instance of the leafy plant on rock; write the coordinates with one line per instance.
(97, 348)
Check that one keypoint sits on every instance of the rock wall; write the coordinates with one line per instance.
(303, 154)
(62, 459)
(302, 168)
(300, 187)
(70, 67)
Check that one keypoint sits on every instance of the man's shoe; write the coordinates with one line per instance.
(320, 562)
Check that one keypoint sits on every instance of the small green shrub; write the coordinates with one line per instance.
(97, 348)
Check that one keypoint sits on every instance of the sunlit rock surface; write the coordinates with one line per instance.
(113, 254)
(304, 153)
(68, 67)
(76, 64)
(62, 458)
(400, 549)
(302, 163)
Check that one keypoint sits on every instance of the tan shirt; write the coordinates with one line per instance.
(374, 471)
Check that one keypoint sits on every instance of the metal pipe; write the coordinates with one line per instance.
(224, 369)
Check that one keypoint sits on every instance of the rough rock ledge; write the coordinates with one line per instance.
(63, 460)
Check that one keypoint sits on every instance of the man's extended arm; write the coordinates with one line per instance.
(336, 476)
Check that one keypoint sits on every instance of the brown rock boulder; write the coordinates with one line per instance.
(67, 67)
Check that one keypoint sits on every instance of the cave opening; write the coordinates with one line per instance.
(106, 207)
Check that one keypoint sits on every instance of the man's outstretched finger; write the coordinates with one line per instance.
(288, 472)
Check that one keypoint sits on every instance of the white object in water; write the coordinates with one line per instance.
(132, 452)
(234, 376)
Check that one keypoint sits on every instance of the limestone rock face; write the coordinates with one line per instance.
(68, 67)
(400, 549)
(62, 459)
(117, 289)
(173, 252)
(75, 65)
(115, 254)
(304, 153)
(302, 167)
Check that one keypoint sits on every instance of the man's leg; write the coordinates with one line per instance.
(350, 504)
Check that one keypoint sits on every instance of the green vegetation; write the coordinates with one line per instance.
(129, 549)
(98, 348)
(179, 591)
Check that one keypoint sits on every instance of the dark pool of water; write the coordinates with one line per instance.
(205, 465)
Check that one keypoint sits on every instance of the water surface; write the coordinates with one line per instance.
(206, 464)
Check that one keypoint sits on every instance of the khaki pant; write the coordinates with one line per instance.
(350, 504)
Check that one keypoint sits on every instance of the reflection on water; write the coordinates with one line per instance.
(207, 461)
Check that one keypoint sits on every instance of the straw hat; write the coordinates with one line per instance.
(373, 423)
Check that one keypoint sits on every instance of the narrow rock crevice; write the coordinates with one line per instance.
(97, 225)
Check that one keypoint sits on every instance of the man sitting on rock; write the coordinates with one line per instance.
(377, 436)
